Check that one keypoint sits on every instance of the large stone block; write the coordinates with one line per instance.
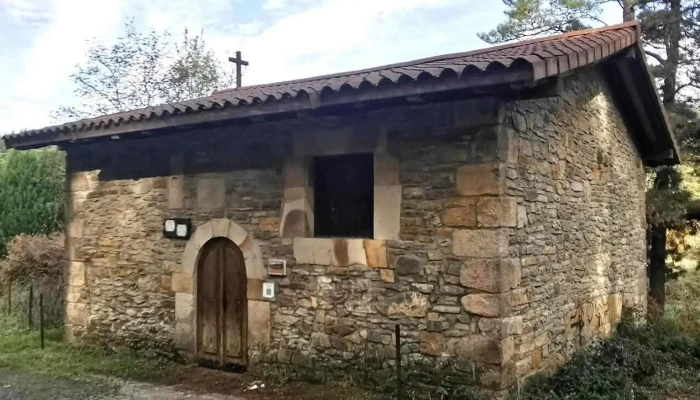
(297, 212)
(220, 227)
(176, 192)
(76, 313)
(348, 252)
(491, 275)
(432, 344)
(211, 194)
(317, 251)
(76, 274)
(386, 169)
(481, 243)
(376, 253)
(202, 235)
(475, 180)
(460, 217)
(408, 265)
(410, 304)
(79, 182)
(184, 308)
(296, 172)
(387, 212)
(479, 348)
(258, 323)
(497, 212)
(181, 283)
(615, 307)
(486, 305)
(76, 228)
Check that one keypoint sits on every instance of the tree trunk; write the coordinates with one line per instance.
(657, 245)
(628, 10)
(657, 270)
(673, 53)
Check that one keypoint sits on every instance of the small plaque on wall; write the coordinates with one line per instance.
(177, 228)
(276, 267)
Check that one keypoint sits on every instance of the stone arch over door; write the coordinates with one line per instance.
(184, 282)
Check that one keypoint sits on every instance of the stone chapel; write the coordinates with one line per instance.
(491, 203)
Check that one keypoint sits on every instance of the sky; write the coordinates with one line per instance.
(41, 41)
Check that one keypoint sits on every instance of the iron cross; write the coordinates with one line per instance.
(239, 64)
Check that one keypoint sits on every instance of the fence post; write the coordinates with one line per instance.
(31, 303)
(9, 298)
(399, 383)
(41, 319)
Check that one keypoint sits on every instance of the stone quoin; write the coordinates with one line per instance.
(491, 203)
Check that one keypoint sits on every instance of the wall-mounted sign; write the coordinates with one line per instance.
(177, 228)
(268, 290)
(276, 267)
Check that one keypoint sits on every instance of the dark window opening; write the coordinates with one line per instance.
(344, 196)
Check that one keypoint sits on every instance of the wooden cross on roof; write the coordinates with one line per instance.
(239, 65)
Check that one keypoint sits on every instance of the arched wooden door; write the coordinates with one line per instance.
(221, 303)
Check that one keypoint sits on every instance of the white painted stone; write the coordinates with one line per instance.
(387, 212)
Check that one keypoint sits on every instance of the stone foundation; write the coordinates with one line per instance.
(505, 234)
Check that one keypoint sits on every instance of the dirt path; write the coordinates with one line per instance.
(190, 384)
(15, 385)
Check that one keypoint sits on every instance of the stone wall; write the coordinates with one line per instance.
(498, 229)
(578, 183)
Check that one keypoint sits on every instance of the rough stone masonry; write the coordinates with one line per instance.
(506, 233)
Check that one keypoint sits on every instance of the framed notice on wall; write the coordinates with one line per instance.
(276, 267)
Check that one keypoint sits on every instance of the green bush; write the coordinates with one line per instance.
(32, 186)
(650, 361)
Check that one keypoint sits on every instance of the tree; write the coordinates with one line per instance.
(144, 69)
(671, 31)
(32, 185)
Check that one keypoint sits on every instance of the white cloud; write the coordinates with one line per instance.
(296, 41)
(274, 4)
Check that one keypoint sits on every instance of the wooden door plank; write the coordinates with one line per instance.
(208, 301)
(236, 304)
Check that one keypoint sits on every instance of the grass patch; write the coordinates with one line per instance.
(20, 349)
